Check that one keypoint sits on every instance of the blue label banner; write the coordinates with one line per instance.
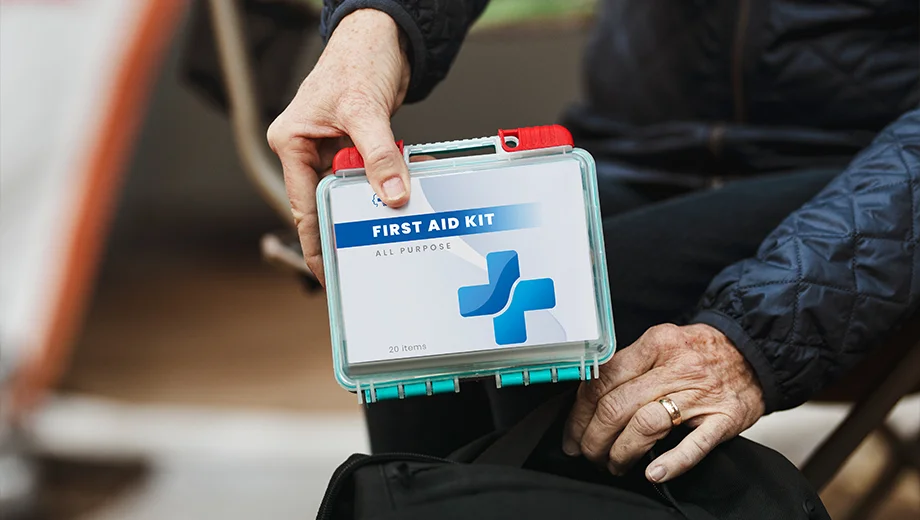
(436, 225)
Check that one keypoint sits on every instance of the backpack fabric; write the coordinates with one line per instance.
(524, 474)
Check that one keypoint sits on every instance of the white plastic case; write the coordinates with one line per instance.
(495, 268)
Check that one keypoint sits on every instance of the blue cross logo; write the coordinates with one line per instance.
(492, 298)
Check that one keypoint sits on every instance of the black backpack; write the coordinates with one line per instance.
(524, 474)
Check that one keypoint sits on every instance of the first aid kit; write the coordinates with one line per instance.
(494, 269)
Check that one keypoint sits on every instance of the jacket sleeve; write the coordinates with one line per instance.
(833, 279)
(434, 29)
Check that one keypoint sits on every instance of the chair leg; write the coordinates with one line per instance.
(865, 416)
(902, 455)
(912, 453)
(867, 505)
(258, 162)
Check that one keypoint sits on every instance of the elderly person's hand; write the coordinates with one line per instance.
(618, 417)
(359, 81)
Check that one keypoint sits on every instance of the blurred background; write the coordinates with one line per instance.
(154, 364)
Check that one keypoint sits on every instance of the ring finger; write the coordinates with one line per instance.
(614, 410)
(648, 425)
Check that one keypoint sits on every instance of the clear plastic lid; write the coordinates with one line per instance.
(495, 268)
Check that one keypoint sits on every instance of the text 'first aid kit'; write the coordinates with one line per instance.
(495, 268)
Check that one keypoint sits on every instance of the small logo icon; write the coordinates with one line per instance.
(492, 298)
(377, 201)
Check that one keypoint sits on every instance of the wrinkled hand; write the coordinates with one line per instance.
(617, 417)
(358, 83)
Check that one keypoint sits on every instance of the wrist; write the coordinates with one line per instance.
(752, 352)
(384, 39)
(708, 334)
(405, 66)
(713, 338)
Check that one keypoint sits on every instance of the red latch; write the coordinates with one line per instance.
(535, 138)
(350, 159)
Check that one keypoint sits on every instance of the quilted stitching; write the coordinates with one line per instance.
(834, 65)
(836, 275)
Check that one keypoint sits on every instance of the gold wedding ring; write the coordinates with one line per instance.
(672, 409)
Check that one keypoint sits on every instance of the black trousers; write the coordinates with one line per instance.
(664, 245)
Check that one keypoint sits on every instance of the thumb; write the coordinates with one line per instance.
(385, 166)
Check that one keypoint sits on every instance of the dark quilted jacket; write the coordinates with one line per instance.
(835, 277)
(697, 91)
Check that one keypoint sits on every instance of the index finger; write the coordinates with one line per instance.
(615, 410)
(300, 180)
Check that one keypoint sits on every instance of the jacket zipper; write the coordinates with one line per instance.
(335, 485)
(717, 132)
(737, 67)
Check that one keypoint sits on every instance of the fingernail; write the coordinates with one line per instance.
(570, 447)
(393, 189)
(656, 473)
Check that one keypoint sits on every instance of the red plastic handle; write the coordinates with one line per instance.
(535, 138)
(514, 140)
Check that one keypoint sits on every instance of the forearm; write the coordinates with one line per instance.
(833, 279)
(433, 29)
